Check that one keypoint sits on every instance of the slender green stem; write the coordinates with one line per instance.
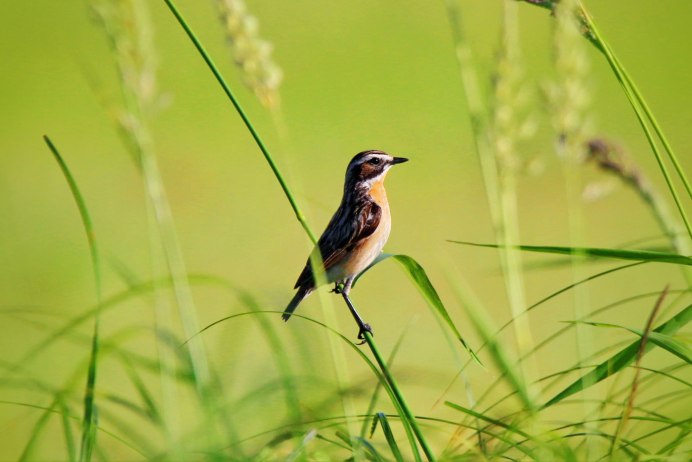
(594, 37)
(373, 400)
(637, 104)
(657, 129)
(89, 421)
(241, 113)
(399, 396)
(301, 218)
(629, 403)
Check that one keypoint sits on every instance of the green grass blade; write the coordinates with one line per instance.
(496, 350)
(427, 290)
(490, 420)
(83, 213)
(52, 410)
(27, 452)
(381, 418)
(639, 255)
(112, 302)
(382, 373)
(236, 104)
(664, 341)
(407, 415)
(621, 359)
(283, 363)
(635, 97)
(669, 343)
(67, 431)
(150, 407)
(90, 411)
(645, 107)
(500, 436)
(378, 387)
(639, 105)
(356, 444)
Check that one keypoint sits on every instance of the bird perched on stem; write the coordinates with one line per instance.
(354, 236)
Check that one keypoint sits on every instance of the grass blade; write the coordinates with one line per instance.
(490, 420)
(621, 359)
(383, 374)
(150, 407)
(378, 387)
(497, 351)
(283, 364)
(638, 103)
(407, 415)
(67, 430)
(629, 402)
(427, 290)
(381, 418)
(664, 341)
(89, 421)
(27, 452)
(641, 109)
(639, 255)
(236, 104)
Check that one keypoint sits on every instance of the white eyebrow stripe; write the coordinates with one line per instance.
(374, 155)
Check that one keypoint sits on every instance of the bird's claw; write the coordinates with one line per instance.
(361, 333)
(338, 288)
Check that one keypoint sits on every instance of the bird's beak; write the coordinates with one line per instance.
(399, 160)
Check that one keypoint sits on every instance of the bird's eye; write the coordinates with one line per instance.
(374, 161)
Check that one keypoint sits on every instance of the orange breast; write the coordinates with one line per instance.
(378, 194)
(371, 247)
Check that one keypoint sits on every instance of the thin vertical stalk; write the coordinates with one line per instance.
(639, 106)
(299, 215)
(494, 138)
(336, 350)
(479, 121)
(227, 90)
(367, 336)
(503, 139)
(569, 112)
(478, 113)
(638, 103)
(629, 402)
(90, 418)
(128, 28)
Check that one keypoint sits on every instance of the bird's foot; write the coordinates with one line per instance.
(338, 288)
(361, 333)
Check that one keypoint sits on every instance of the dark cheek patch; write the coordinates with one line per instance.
(367, 171)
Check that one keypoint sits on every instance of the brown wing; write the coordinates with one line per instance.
(348, 226)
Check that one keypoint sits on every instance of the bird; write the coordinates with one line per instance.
(354, 236)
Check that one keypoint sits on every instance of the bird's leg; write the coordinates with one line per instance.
(362, 326)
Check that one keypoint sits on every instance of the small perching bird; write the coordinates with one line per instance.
(356, 233)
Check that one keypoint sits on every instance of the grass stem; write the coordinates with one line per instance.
(641, 110)
(299, 215)
(367, 336)
(90, 417)
(236, 104)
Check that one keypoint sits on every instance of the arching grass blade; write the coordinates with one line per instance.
(621, 254)
(381, 418)
(89, 423)
(427, 290)
(622, 359)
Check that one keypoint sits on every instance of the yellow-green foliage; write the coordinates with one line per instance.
(200, 249)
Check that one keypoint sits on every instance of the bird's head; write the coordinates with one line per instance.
(369, 167)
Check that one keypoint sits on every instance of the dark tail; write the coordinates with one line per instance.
(300, 295)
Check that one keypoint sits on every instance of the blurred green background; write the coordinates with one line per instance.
(357, 75)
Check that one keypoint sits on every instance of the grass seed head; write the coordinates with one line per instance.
(250, 53)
